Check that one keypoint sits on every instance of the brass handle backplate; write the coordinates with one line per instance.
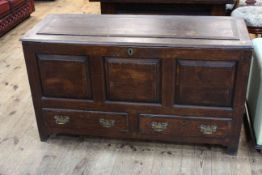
(159, 126)
(106, 123)
(61, 119)
(208, 129)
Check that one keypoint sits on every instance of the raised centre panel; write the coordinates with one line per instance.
(65, 76)
(133, 79)
(205, 83)
(183, 126)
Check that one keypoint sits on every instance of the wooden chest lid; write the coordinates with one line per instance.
(143, 30)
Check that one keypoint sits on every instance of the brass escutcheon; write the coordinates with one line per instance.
(159, 126)
(61, 119)
(130, 51)
(208, 129)
(106, 123)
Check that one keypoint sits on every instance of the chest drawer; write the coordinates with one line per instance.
(92, 121)
(175, 126)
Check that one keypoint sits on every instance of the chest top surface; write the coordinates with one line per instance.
(143, 30)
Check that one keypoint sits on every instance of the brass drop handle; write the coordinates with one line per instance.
(159, 126)
(106, 123)
(61, 119)
(208, 129)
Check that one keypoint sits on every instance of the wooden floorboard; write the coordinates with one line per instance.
(21, 152)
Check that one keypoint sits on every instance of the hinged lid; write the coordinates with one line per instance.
(145, 30)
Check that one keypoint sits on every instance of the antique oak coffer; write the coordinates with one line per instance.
(166, 78)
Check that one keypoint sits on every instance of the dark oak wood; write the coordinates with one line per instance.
(177, 126)
(175, 7)
(65, 76)
(133, 79)
(88, 121)
(140, 77)
(220, 76)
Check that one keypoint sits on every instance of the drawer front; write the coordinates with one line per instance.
(91, 121)
(174, 126)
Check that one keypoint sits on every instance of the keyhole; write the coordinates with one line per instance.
(130, 51)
